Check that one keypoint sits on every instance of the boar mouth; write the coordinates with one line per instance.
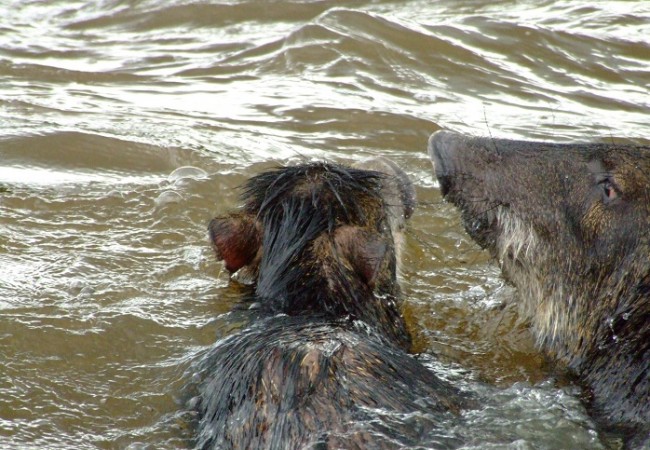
(479, 213)
(442, 147)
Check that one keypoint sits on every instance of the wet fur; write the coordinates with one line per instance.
(569, 227)
(327, 356)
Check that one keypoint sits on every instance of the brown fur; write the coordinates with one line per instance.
(325, 365)
(569, 226)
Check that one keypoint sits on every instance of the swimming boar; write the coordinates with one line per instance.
(569, 225)
(327, 359)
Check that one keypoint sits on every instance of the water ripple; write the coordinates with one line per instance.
(126, 125)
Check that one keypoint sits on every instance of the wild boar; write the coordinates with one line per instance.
(569, 225)
(328, 355)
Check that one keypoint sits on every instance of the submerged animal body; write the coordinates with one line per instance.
(569, 225)
(328, 356)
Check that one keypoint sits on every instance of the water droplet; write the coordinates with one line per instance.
(167, 197)
(194, 402)
(86, 292)
(187, 172)
(76, 285)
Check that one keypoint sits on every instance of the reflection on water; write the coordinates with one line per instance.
(125, 126)
(39, 176)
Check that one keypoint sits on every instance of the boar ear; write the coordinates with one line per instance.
(236, 240)
(364, 250)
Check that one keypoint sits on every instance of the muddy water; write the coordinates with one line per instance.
(125, 125)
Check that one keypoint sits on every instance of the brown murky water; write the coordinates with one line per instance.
(126, 125)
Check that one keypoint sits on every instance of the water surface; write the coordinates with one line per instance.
(126, 125)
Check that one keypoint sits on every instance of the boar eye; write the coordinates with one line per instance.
(609, 191)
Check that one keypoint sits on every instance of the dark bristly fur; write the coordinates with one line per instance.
(328, 357)
(569, 224)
